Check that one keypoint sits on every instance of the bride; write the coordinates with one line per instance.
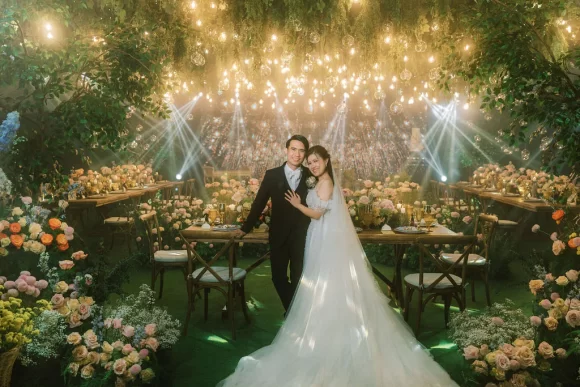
(339, 330)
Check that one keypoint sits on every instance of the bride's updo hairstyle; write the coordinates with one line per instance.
(322, 153)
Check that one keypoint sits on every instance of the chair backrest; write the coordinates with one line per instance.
(488, 225)
(167, 192)
(443, 268)
(434, 187)
(152, 230)
(189, 188)
(208, 265)
(207, 174)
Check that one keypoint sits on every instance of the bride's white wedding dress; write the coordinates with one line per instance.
(339, 331)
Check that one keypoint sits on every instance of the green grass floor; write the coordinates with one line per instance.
(207, 354)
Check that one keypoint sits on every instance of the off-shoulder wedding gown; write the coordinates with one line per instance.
(340, 330)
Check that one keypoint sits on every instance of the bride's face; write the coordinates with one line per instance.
(316, 164)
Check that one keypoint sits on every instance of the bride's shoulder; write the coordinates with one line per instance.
(324, 189)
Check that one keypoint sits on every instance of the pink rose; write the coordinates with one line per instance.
(120, 366)
(127, 349)
(151, 343)
(26, 200)
(30, 281)
(9, 284)
(135, 369)
(535, 228)
(508, 349)
(30, 291)
(118, 345)
(535, 321)
(150, 329)
(550, 277)
(128, 331)
(554, 236)
(561, 353)
(117, 323)
(42, 284)
(515, 365)
(546, 304)
(545, 350)
(572, 275)
(558, 247)
(502, 362)
(573, 318)
(57, 301)
(471, 353)
(143, 353)
(66, 265)
(21, 285)
(554, 296)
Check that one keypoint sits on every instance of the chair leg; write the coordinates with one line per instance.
(205, 302)
(486, 283)
(407, 306)
(231, 313)
(447, 300)
(162, 274)
(112, 239)
(153, 276)
(190, 292)
(243, 299)
(472, 283)
(420, 311)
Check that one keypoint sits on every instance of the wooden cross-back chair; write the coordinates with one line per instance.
(441, 283)
(162, 259)
(478, 264)
(228, 280)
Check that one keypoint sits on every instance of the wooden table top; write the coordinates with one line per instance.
(98, 201)
(516, 201)
(438, 234)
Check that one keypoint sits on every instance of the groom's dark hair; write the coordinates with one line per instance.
(298, 137)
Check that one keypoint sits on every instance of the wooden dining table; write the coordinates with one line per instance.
(101, 201)
(533, 205)
(437, 235)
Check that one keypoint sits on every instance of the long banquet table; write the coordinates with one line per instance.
(437, 235)
(514, 201)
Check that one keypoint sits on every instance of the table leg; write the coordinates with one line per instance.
(398, 279)
(396, 285)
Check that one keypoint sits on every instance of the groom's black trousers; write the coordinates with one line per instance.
(290, 252)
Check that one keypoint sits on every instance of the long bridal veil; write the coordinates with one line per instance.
(340, 330)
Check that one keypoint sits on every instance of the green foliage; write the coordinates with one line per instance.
(521, 62)
(74, 91)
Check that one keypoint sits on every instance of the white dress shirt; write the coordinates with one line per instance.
(293, 177)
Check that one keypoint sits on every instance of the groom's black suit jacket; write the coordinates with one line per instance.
(285, 218)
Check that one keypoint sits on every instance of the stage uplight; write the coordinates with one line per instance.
(443, 178)
(178, 176)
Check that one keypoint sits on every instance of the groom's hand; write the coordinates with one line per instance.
(239, 234)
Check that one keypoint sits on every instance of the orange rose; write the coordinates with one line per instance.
(571, 244)
(61, 240)
(46, 239)
(558, 215)
(54, 223)
(15, 228)
(2, 235)
(63, 247)
(16, 240)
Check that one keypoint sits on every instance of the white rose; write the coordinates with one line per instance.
(22, 222)
(5, 242)
(17, 211)
(63, 226)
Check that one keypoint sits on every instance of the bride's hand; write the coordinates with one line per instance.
(293, 198)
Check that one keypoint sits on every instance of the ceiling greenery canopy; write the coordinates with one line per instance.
(84, 67)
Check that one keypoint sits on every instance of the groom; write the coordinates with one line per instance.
(288, 226)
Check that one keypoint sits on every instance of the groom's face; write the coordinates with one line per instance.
(295, 153)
